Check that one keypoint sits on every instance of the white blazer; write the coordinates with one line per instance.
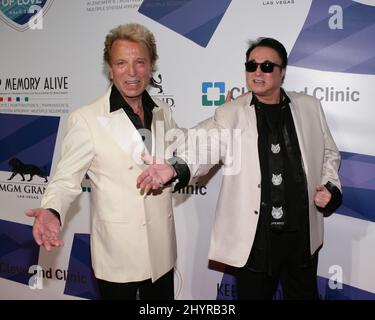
(238, 205)
(132, 237)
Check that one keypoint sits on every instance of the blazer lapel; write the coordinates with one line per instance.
(121, 129)
(158, 132)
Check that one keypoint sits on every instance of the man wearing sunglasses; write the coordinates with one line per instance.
(269, 218)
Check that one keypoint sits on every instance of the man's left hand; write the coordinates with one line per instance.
(155, 175)
(322, 196)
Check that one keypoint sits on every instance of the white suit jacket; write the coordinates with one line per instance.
(238, 206)
(132, 237)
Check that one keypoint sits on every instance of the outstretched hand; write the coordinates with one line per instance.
(46, 228)
(229, 97)
(155, 175)
(322, 196)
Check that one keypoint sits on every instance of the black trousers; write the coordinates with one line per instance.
(161, 289)
(297, 282)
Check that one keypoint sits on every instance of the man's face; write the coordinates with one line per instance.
(130, 68)
(266, 86)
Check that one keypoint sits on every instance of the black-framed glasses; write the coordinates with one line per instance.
(266, 66)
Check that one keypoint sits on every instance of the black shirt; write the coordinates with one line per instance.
(116, 101)
(277, 120)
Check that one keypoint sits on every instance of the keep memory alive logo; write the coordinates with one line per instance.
(336, 37)
(24, 14)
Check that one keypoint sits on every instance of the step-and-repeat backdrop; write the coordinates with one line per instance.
(51, 63)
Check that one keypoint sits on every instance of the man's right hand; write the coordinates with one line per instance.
(46, 228)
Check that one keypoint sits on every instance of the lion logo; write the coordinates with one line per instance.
(18, 167)
(157, 84)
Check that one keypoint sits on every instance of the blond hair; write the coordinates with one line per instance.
(132, 32)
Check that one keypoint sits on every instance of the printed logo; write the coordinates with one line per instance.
(196, 189)
(157, 83)
(277, 212)
(275, 148)
(335, 37)
(18, 167)
(27, 144)
(34, 94)
(277, 2)
(195, 20)
(24, 14)
(95, 6)
(227, 289)
(156, 90)
(213, 93)
(277, 179)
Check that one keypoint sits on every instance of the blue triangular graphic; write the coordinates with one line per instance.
(18, 251)
(30, 139)
(80, 280)
(357, 174)
(196, 20)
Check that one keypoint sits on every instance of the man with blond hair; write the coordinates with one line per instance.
(133, 243)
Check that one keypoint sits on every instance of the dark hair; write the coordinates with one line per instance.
(269, 43)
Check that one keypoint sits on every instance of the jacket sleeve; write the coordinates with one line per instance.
(332, 156)
(76, 155)
(205, 145)
(330, 173)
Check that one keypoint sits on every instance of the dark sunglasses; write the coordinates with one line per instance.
(266, 67)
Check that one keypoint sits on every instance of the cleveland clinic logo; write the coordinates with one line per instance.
(213, 93)
(24, 14)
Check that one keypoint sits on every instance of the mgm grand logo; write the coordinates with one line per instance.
(21, 176)
(22, 169)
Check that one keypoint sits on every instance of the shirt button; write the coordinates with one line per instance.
(259, 185)
(255, 212)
